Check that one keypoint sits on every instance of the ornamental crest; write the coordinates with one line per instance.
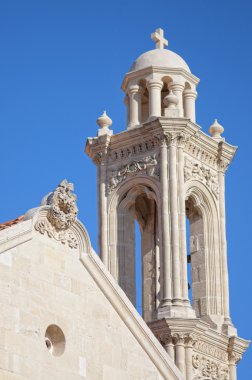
(63, 211)
(61, 214)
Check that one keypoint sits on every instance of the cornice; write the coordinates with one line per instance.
(158, 70)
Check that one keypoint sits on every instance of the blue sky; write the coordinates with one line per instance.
(62, 62)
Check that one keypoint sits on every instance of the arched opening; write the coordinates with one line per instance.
(196, 257)
(138, 206)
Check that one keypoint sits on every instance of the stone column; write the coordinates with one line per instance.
(135, 93)
(173, 191)
(103, 222)
(188, 358)
(189, 104)
(223, 244)
(180, 352)
(154, 88)
(233, 360)
(182, 219)
(126, 102)
(177, 89)
(166, 254)
(169, 347)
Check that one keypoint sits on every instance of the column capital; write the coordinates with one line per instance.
(188, 93)
(135, 89)
(155, 83)
(175, 86)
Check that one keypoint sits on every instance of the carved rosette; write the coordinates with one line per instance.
(61, 215)
(195, 170)
(147, 166)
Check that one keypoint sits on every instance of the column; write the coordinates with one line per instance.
(188, 358)
(189, 104)
(169, 347)
(103, 221)
(135, 94)
(223, 245)
(126, 102)
(173, 191)
(154, 88)
(166, 254)
(182, 220)
(233, 360)
(179, 352)
(177, 89)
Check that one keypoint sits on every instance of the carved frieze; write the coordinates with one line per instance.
(134, 150)
(201, 154)
(211, 350)
(147, 165)
(196, 170)
(61, 214)
(206, 369)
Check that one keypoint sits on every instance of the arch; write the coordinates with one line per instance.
(202, 212)
(136, 200)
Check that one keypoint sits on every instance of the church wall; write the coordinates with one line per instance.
(43, 283)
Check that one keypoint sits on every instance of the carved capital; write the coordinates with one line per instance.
(234, 358)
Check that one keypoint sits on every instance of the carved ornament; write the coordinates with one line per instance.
(148, 166)
(205, 369)
(195, 170)
(62, 213)
(209, 349)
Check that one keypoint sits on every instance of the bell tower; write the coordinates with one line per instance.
(160, 171)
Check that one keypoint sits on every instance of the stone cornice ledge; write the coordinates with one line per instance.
(130, 317)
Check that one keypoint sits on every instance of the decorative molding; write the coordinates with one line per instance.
(201, 154)
(211, 350)
(205, 369)
(147, 165)
(134, 150)
(195, 170)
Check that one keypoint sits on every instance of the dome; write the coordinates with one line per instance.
(160, 58)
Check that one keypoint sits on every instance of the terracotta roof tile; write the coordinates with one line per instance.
(11, 222)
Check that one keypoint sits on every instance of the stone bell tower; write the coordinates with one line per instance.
(159, 171)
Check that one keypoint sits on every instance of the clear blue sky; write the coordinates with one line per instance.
(62, 62)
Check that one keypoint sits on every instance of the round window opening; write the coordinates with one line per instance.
(55, 340)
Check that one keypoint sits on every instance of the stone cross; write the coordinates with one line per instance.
(158, 37)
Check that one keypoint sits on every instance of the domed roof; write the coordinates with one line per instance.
(159, 58)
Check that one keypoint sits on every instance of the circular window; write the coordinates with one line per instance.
(55, 340)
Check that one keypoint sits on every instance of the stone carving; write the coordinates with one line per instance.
(209, 349)
(201, 154)
(195, 170)
(147, 165)
(65, 237)
(134, 150)
(205, 369)
(61, 214)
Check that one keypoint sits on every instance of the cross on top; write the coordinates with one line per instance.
(158, 37)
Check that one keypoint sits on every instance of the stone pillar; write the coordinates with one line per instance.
(135, 93)
(173, 181)
(189, 104)
(233, 360)
(223, 245)
(126, 102)
(154, 88)
(188, 357)
(103, 222)
(166, 254)
(169, 347)
(177, 89)
(182, 220)
(179, 352)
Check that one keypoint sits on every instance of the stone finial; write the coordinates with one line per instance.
(158, 37)
(104, 123)
(216, 130)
